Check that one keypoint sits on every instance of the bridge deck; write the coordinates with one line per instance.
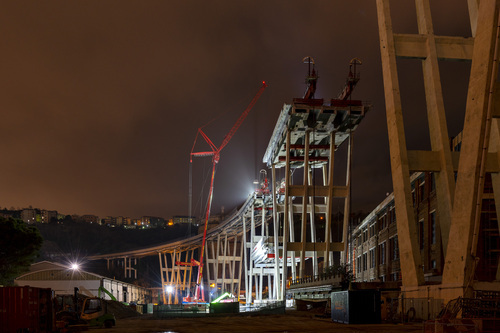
(341, 117)
(230, 226)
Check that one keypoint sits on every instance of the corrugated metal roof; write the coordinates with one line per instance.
(59, 274)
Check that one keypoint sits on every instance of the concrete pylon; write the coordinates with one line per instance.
(459, 204)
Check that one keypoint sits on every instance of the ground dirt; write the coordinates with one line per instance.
(292, 321)
(121, 310)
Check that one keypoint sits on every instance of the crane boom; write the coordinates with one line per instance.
(242, 117)
(215, 153)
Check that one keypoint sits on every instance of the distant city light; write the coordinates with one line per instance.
(75, 266)
(169, 289)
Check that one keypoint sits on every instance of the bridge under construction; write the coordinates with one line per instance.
(283, 238)
(250, 244)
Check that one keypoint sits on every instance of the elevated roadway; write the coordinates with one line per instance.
(279, 235)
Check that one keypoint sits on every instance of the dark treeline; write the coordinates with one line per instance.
(74, 241)
(84, 239)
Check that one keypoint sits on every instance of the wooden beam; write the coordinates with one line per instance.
(413, 46)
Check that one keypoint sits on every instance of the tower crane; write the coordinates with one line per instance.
(215, 153)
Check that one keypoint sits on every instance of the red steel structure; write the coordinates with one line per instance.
(215, 153)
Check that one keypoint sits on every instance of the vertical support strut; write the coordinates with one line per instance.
(252, 237)
(286, 210)
(460, 256)
(459, 203)
(312, 218)
(329, 203)
(277, 289)
(248, 291)
(305, 201)
(347, 204)
(408, 247)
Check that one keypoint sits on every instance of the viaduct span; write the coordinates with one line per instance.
(273, 238)
(284, 234)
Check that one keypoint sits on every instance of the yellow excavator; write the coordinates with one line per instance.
(95, 313)
(84, 312)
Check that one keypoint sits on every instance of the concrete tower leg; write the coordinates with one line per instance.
(407, 233)
(445, 178)
(459, 264)
(459, 203)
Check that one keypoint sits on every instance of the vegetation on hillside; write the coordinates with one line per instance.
(19, 246)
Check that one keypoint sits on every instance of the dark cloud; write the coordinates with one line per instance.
(101, 100)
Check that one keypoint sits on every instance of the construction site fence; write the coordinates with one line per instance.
(476, 325)
(424, 309)
(435, 326)
(268, 307)
(480, 308)
(420, 309)
(202, 310)
(180, 310)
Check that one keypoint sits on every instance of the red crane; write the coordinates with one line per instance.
(215, 153)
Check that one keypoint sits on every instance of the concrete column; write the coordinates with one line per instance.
(312, 218)
(276, 237)
(438, 129)
(407, 233)
(495, 177)
(233, 264)
(459, 263)
(347, 203)
(215, 254)
(224, 263)
(473, 9)
(252, 236)
(329, 203)
(261, 282)
(305, 200)
(286, 218)
(245, 258)
(292, 254)
(240, 267)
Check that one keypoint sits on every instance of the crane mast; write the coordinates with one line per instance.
(215, 153)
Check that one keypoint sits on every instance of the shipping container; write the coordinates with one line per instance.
(26, 309)
(229, 307)
(356, 307)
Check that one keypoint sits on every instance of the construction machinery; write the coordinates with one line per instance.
(78, 312)
(95, 313)
(31, 309)
(215, 153)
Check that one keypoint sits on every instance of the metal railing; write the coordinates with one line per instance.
(331, 274)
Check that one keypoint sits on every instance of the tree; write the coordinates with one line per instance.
(19, 246)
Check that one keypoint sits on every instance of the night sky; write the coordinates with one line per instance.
(101, 100)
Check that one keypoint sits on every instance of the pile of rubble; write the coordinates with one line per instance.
(121, 310)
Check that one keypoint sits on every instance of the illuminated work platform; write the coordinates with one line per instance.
(340, 117)
(306, 136)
